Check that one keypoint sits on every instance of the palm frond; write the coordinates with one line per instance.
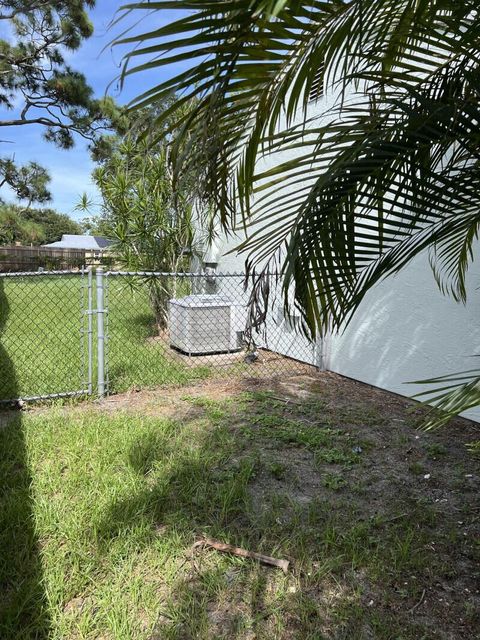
(344, 198)
(450, 395)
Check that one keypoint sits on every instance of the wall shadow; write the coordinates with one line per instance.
(23, 607)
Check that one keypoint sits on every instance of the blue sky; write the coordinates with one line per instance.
(71, 170)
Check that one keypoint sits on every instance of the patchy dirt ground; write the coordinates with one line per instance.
(327, 439)
(380, 520)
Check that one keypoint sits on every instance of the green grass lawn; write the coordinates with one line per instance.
(42, 350)
(40, 340)
(101, 506)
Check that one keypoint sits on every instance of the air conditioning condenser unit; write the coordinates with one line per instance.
(205, 324)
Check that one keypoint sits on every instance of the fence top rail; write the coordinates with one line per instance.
(180, 274)
(14, 274)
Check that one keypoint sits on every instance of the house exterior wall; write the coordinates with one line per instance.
(404, 330)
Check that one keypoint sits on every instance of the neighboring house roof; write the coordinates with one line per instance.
(89, 243)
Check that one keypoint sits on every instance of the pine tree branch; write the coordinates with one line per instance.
(33, 6)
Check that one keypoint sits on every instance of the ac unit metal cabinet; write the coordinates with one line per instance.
(201, 324)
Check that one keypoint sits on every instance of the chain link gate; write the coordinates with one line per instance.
(46, 335)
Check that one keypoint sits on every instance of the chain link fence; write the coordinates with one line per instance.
(43, 336)
(175, 328)
(72, 333)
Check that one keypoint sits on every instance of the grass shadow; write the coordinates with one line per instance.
(193, 489)
(23, 610)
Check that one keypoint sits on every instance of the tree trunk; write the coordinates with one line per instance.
(160, 294)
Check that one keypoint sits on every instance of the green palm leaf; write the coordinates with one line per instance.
(451, 395)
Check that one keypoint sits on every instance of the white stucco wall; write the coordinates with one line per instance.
(404, 330)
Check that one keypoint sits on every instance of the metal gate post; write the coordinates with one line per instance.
(100, 332)
(90, 331)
